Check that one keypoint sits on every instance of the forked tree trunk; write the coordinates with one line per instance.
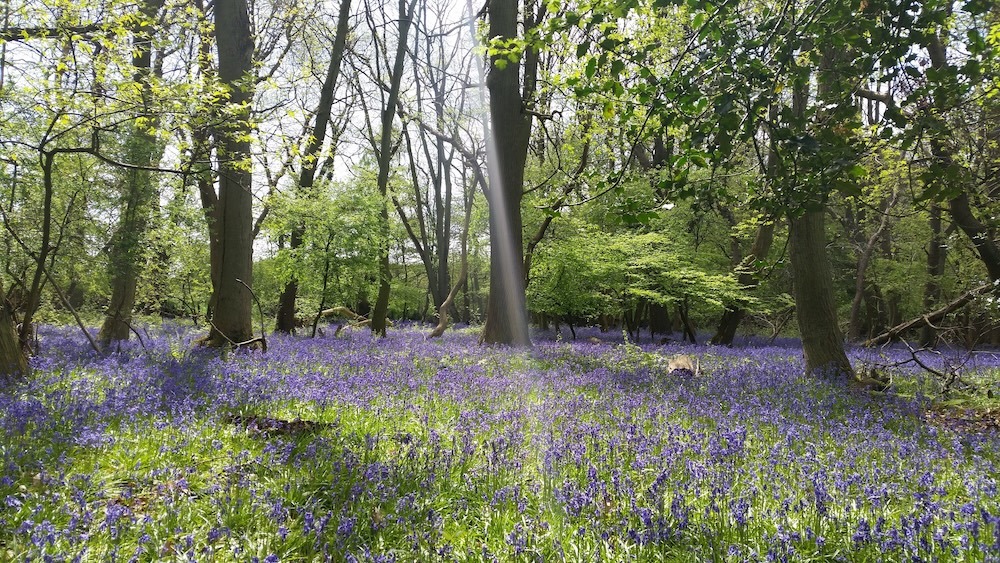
(463, 276)
(747, 267)
(379, 321)
(127, 247)
(733, 317)
(861, 272)
(33, 297)
(232, 300)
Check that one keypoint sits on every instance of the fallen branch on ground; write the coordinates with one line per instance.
(932, 317)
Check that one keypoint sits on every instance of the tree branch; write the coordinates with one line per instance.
(933, 316)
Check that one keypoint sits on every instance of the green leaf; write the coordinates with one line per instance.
(976, 44)
(857, 171)
(978, 7)
(591, 68)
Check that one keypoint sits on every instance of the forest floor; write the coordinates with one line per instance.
(403, 449)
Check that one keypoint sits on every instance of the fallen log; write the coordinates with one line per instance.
(342, 312)
(355, 319)
(933, 316)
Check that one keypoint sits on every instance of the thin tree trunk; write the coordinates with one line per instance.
(285, 321)
(462, 277)
(733, 317)
(936, 256)
(379, 322)
(143, 150)
(33, 298)
(854, 324)
(763, 238)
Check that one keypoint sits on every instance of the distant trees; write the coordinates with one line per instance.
(601, 136)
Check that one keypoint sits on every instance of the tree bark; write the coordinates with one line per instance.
(379, 322)
(463, 276)
(285, 321)
(231, 316)
(732, 317)
(506, 313)
(936, 257)
(815, 308)
(33, 298)
(142, 150)
(854, 324)
(960, 205)
(763, 238)
(12, 358)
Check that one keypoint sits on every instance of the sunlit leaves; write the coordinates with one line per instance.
(589, 273)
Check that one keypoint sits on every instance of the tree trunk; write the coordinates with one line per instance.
(960, 206)
(732, 317)
(815, 308)
(506, 314)
(285, 321)
(379, 322)
(231, 315)
(12, 359)
(854, 324)
(763, 238)
(33, 298)
(142, 150)
(936, 256)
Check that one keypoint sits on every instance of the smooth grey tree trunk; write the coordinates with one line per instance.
(506, 313)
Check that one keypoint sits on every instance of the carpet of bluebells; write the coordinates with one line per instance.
(358, 449)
